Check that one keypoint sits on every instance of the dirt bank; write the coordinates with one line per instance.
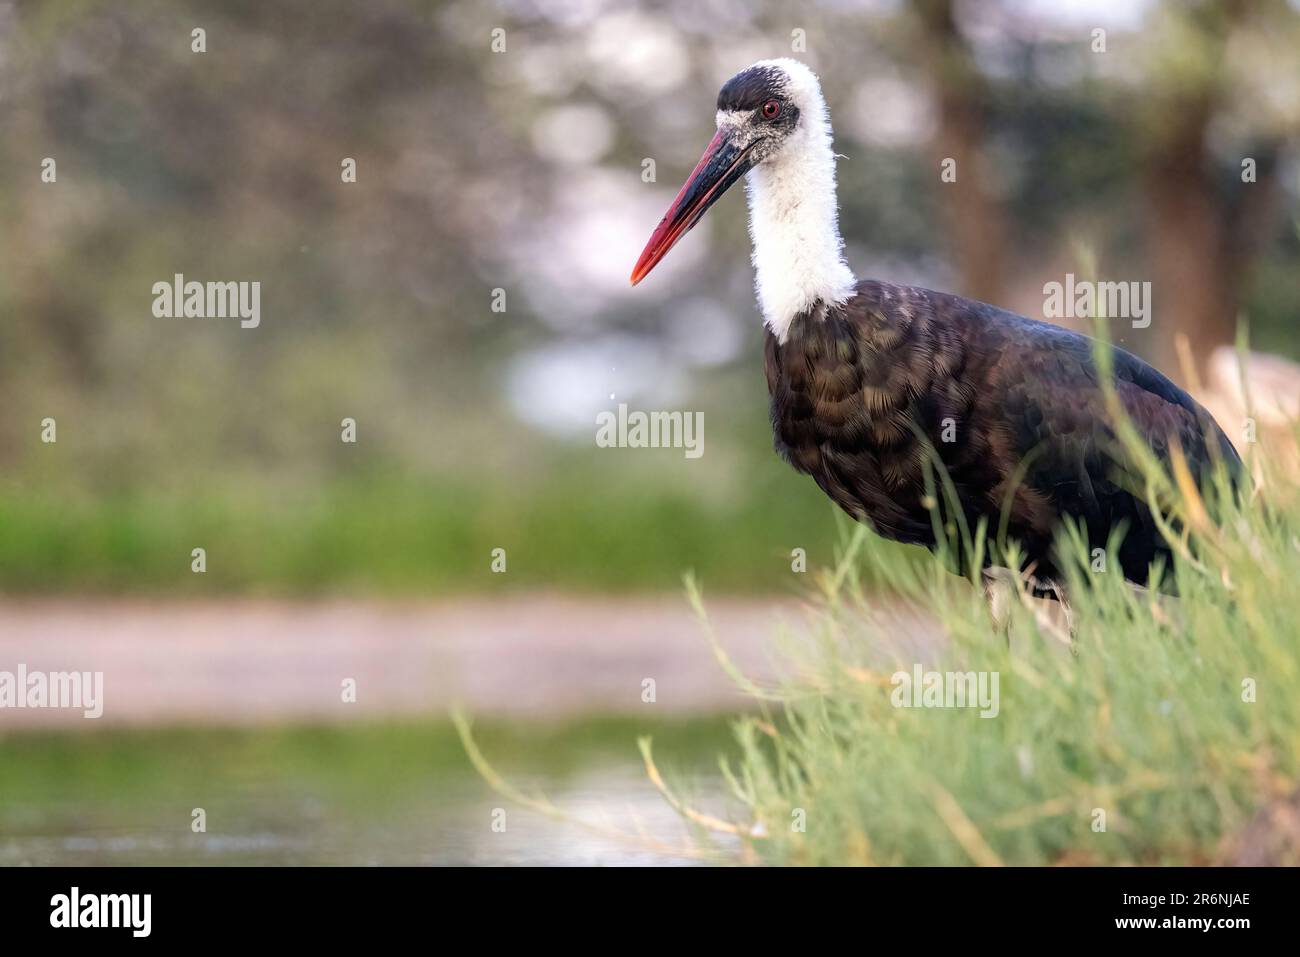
(242, 662)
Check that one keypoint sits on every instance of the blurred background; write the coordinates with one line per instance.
(502, 146)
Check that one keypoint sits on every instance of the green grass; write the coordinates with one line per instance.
(1143, 722)
(401, 535)
(1134, 741)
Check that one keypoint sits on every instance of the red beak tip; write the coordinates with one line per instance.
(695, 196)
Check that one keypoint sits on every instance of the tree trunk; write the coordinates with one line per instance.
(974, 217)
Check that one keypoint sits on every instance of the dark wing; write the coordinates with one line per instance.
(1043, 392)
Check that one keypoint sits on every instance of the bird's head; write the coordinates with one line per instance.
(762, 112)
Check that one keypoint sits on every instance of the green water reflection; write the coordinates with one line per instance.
(366, 794)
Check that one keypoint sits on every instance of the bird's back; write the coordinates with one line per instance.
(863, 395)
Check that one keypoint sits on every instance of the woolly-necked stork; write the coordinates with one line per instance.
(869, 379)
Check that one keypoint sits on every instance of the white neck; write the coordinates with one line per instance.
(794, 224)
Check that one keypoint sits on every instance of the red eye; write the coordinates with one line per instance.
(771, 110)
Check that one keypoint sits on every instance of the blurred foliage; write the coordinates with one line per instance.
(521, 171)
(377, 534)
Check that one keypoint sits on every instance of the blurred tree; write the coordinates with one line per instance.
(1206, 221)
(226, 165)
(975, 219)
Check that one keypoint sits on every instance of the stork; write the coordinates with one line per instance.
(870, 381)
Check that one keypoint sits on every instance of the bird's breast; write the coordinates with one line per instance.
(860, 399)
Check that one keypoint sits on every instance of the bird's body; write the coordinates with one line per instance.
(865, 395)
(873, 384)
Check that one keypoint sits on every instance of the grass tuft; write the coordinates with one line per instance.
(1161, 731)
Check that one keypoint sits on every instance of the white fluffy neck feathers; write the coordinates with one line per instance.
(794, 217)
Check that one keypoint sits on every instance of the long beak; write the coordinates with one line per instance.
(721, 165)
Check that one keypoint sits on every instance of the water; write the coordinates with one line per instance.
(374, 795)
